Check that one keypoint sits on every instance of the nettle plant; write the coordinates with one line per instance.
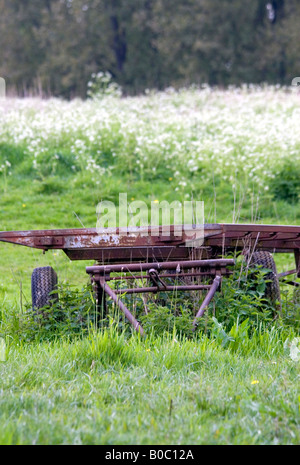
(241, 303)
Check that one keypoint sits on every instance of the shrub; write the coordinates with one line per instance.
(286, 185)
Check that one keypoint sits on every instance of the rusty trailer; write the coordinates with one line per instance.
(155, 258)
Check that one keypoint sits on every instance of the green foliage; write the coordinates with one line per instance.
(291, 308)
(50, 185)
(242, 298)
(286, 183)
(160, 320)
(12, 153)
(146, 44)
(73, 315)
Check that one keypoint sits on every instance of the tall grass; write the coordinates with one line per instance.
(109, 388)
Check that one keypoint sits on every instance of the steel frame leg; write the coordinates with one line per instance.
(122, 307)
(214, 287)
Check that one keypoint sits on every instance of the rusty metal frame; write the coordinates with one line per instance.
(138, 252)
(101, 274)
(88, 244)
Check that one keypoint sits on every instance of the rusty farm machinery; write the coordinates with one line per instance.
(155, 260)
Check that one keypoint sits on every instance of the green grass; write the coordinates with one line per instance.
(237, 150)
(108, 389)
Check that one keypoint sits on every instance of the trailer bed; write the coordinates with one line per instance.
(88, 244)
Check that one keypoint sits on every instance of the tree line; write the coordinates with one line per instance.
(52, 47)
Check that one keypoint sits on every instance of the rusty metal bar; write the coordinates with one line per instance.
(121, 306)
(88, 244)
(178, 276)
(213, 289)
(102, 269)
(286, 273)
(291, 283)
(140, 290)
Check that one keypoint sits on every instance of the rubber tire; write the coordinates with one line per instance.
(272, 291)
(43, 283)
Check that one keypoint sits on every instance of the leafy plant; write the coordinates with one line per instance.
(163, 319)
(242, 298)
(73, 315)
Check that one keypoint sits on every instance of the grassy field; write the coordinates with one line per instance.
(237, 380)
(107, 389)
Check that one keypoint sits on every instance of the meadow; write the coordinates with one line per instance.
(237, 380)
